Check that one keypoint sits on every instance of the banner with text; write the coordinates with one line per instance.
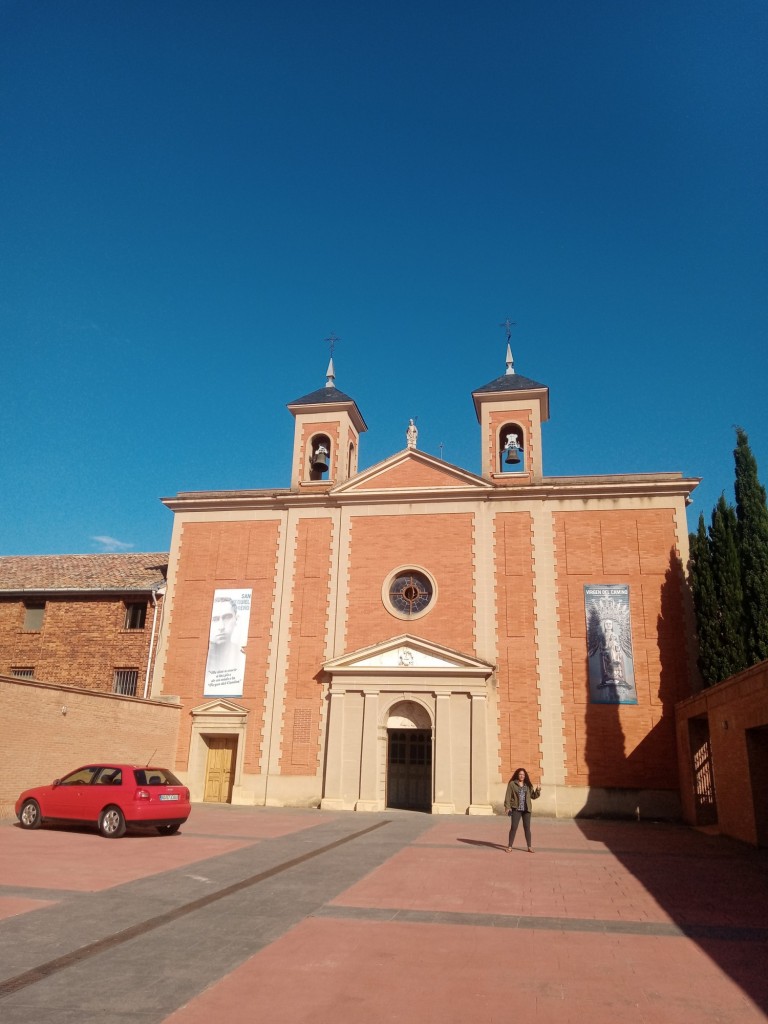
(225, 667)
(609, 644)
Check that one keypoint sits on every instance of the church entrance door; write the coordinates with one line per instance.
(220, 768)
(409, 769)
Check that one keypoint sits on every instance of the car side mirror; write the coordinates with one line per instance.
(56, 782)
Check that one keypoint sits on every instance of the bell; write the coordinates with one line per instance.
(320, 460)
(512, 458)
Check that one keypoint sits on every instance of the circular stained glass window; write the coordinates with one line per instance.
(410, 593)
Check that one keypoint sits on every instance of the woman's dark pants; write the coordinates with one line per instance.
(514, 821)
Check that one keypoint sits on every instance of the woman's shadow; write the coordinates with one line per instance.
(483, 842)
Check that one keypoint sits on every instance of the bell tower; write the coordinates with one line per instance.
(510, 410)
(326, 437)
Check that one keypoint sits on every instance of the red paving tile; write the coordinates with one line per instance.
(251, 822)
(10, 906)
(502, 884)
(348, 970)
(83, 861)
(493, 831)
(354, 971)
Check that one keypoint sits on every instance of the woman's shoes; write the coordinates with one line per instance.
(530, 849)
(508, 850)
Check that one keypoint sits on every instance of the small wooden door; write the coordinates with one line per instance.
(409, 769)
(220, 769)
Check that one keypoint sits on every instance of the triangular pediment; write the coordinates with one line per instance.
(407, 654)
(221, 707)
(412, 470)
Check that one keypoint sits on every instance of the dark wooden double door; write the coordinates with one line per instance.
(409, 769)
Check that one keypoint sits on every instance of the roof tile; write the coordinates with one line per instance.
(106, 572)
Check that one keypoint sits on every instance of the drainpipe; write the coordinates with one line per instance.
(153, 594)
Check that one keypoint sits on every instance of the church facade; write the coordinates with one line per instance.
(409, 634)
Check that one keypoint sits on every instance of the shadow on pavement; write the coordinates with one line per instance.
(714, 889)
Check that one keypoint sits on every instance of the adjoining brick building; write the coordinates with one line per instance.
(88, 621)
(408, 634)
(722, 736)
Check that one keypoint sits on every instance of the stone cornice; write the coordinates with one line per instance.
(640, 485)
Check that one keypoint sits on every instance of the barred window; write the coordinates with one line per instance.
(23, 672)
(125, 681)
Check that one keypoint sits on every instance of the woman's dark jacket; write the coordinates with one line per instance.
(512, 796)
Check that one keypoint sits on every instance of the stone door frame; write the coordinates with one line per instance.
(365, 686)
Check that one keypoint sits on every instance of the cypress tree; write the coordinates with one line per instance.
(752, 517)
(731, 654)
(704, 603)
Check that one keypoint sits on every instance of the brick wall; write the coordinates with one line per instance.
(730, 708)
(40, 742)
(407, 474)
(300, 748)
(81, 643)
(443, 545)
(622, 745)
(517, 672)
(221, 556)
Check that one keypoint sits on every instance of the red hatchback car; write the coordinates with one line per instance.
(110, 796)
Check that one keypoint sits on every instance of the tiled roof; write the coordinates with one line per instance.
(323, 395)
(92, 573)
(511, 382)
(330, 396)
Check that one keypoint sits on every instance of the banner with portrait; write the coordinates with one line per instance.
(228, 635)
(609, 644)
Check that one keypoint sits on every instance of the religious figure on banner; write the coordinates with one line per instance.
(610, 654)
(609, 645)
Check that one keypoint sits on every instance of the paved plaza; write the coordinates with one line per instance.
(289, 916)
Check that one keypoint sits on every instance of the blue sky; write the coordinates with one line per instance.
(193, 195)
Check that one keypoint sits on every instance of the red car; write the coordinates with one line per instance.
(110, 796)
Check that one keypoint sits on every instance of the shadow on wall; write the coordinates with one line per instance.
(713, 889)
(632, 784)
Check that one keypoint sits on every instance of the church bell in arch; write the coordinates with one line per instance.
(319, 460)
(512, 451)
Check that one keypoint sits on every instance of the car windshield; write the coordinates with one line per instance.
(82, 777)
(155, 777)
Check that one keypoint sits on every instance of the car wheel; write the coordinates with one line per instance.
(29, 816)
(112, 823)
(168, 830)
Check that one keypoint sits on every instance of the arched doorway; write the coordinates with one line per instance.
(409, 757)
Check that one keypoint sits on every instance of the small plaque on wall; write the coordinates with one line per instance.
(609, 644)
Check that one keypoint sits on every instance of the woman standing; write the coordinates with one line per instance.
(517, 804)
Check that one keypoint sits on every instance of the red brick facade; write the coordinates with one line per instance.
(625, 745)
(82, 633)
(722, 737)
(222, 556)
(493, 667)
(517, 670)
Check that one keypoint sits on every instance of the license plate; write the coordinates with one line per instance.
(169, 796)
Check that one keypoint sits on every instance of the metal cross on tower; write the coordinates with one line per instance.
(332, 339)
(508, 325)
